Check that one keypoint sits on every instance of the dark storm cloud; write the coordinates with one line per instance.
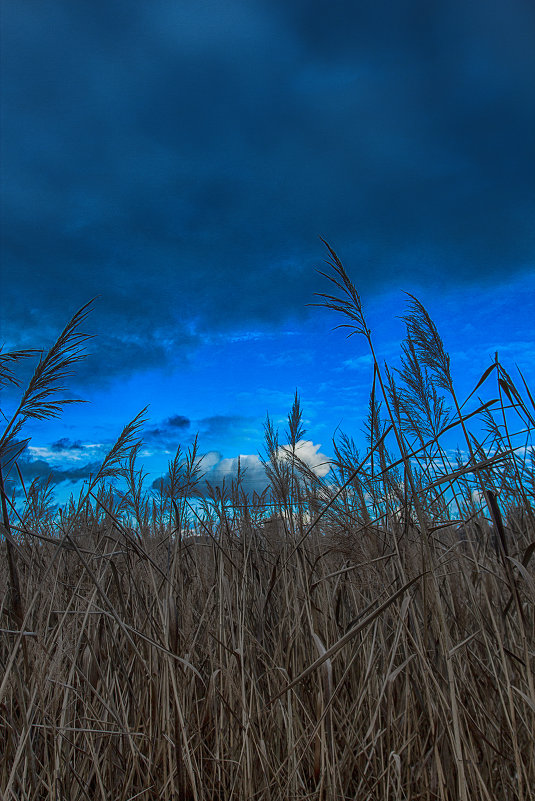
(178, 421)
(180, 159)
(32, 468)
(165, 434)
(65, 444)
(217, 426)
(41, 468)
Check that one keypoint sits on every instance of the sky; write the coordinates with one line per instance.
(179, 160)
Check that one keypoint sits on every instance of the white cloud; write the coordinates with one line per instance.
(226, 469)
(215, 468)
(209, 460)
(310, 455)
(52, 456)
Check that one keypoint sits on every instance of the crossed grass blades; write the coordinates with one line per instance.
(369, 635)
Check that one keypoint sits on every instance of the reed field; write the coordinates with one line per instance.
(367, 635)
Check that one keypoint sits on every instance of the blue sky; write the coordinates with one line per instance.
(181, 160)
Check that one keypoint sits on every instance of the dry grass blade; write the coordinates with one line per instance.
(428, 343)
(7, 376)
(330, 652)
(481, 381)
(120, 452)
(39, 400)
(348, 303)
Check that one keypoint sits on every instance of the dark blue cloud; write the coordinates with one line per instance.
(65, 444)
(213, 428)
(166, 432)
(178, 421)
(31, 467)
(34, 468)
(180, 159)
(168, 428)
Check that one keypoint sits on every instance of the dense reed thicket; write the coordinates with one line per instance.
(372, 637)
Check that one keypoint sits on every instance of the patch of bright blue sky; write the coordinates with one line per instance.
(230, 380)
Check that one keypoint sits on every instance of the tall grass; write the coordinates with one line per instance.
(372, 638)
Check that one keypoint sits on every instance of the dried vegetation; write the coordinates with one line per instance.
(373, 638)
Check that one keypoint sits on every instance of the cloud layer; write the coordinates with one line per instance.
(180, 159)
